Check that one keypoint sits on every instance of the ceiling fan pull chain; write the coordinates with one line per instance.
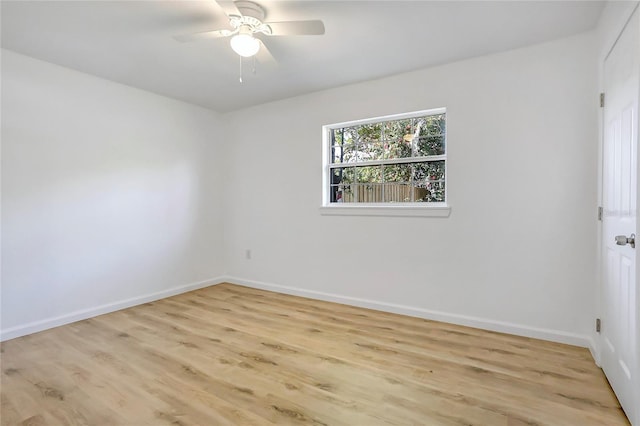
(254, 64)
(240, 69)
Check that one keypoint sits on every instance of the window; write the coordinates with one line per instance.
(394, 161)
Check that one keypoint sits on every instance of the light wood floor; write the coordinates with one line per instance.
(233, 355)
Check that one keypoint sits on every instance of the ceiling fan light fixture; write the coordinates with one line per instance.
(245, 45)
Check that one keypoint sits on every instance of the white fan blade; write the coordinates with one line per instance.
(229, 7)
(203, 35)
(264, 56)
(296, 28)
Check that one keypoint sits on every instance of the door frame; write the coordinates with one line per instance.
(606, 47)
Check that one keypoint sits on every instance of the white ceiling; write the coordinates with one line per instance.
(131, 42)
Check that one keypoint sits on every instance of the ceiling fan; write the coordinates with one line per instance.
(247, 21)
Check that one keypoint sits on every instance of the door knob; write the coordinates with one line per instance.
(622, 240)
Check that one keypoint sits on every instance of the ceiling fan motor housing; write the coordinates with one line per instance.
(251, 16)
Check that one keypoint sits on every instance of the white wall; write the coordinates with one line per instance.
(517, 252)
(110, 195)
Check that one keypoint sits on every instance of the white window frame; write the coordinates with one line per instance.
(381, 209)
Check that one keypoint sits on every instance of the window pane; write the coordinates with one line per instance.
(397, 173)
(369, 174)
(341, 175)
(336, 154)
(368, 192)
(398, 149)
(428, 171)
(349, 137)
(430, 145)
(431, 192)
(436, 124)
(340, 179)
(343, 194)
(370, 132)
(336, 146)
(397, 192)
(336, 137)
(370, 146)
(398, 136)
(428, 181)
(368, 151)
(348, 194)
(397, 129)
(335, 193)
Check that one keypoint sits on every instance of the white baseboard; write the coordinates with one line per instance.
(594, 348)
(483, 323)
(36, 326)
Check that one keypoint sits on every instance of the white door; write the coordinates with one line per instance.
(620, 319)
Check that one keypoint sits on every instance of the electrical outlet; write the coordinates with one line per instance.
(247, 254)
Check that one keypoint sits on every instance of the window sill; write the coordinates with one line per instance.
(386, 210)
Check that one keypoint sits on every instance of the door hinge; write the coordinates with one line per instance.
(600, 210)
(598, 324)
(601, 100)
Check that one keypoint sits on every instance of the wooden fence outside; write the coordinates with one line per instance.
(382, 193)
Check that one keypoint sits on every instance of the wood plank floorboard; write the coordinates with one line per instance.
(232, 355)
